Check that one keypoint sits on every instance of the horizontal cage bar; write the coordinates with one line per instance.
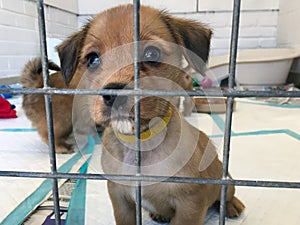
(144, 178)
(208, 93)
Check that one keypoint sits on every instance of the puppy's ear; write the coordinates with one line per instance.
(69, 53)
(192, 35)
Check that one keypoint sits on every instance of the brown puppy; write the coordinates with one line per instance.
(102, 56)
(34, 105)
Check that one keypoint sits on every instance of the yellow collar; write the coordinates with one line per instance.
(150, 133)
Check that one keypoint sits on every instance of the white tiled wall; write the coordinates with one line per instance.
(258, 19)
(68, 5)
(94, 6)
(19, 35)
(257, 29)
(288, 28)
(225, 5)
(19, 38)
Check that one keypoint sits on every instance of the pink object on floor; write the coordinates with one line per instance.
(206, 82)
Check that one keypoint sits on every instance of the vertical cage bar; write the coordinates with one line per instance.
(234, 42)
(48, 105)
(229, 106)
(136, 27)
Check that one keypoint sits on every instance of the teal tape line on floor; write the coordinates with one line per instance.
(293, 134)
(19, 214)
(221, 124)
(18, 130)
(218, 121)
(268, 132)
(262, 132)
(76, 209)
(288, 106)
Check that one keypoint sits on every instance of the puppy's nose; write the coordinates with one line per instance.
(114, 100)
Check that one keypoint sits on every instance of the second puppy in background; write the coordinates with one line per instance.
(34, 105)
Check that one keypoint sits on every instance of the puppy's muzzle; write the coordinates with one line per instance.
(114, 100)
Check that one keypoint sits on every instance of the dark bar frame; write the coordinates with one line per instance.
(48, 106)
(136, 30)
(124, 92)
(231, 93)
(229, 106)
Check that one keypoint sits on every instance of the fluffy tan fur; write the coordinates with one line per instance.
(34, 106)
(182, 150)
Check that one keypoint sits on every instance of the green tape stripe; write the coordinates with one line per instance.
(292, 134)
(216, 136)
(19, 214)
(18, 130)
(267, 132)
(218, 121)
(262, 132)
(76, 209)
(221, 124)
(288, 106)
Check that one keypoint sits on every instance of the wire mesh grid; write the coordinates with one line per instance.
(231, 93)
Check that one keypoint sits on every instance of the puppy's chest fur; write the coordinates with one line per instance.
(156, 198)
(153, 154)
(167, 158)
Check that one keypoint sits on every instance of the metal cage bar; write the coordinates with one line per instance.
(136, 28)
(229, 106)
(137, 93)
(114, 177)
(124, 92)
(48, 105)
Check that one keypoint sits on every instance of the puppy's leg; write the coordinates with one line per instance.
(159, 218)
(190, 212)
(64, 141)
(234, 207)
(124, 209)
(63, 148)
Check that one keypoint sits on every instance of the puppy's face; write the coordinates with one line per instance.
(102, 54)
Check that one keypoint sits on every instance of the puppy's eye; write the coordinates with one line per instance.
(93, 61)
(152, 56)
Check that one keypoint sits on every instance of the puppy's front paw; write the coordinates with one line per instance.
(159, 218)
(64, 149)
(234, 207)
